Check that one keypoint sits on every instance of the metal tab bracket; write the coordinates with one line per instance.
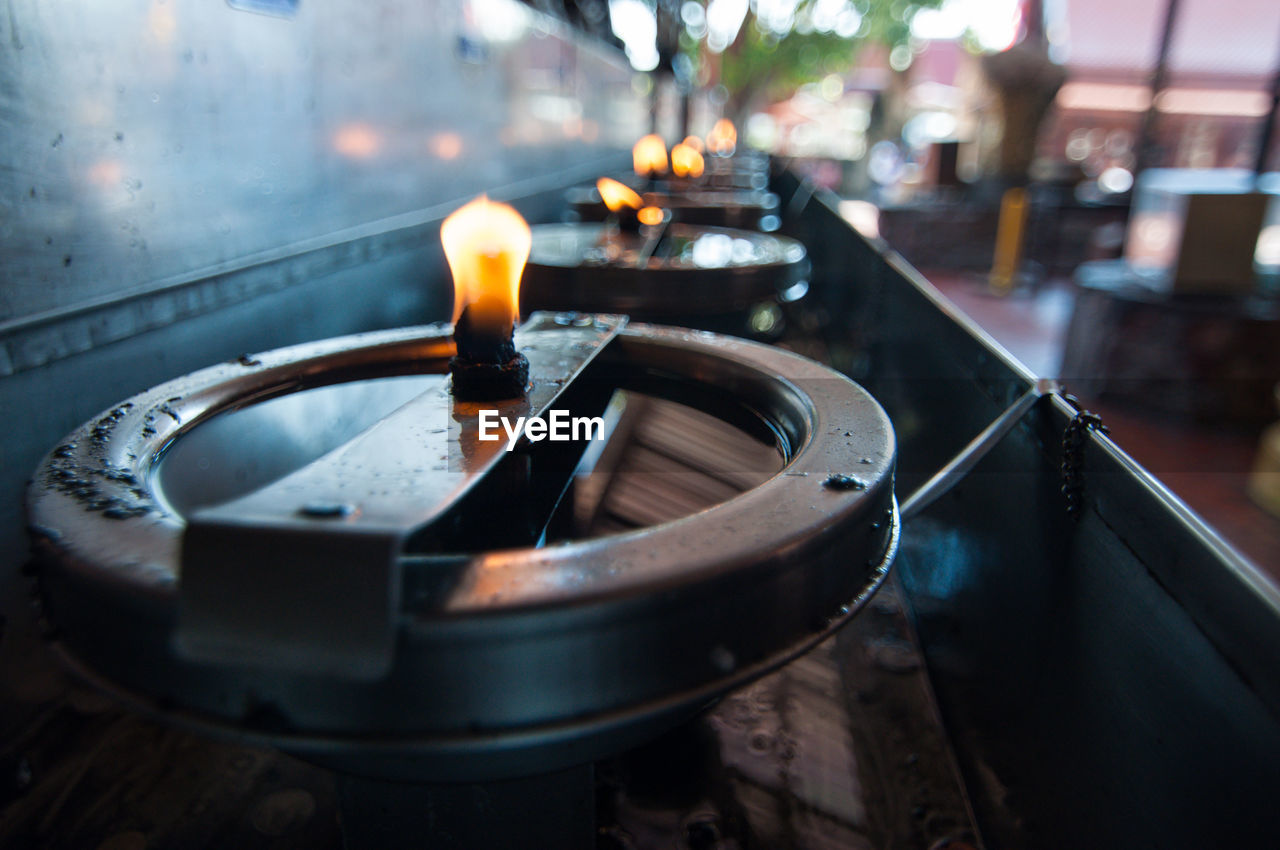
(304, 573)
(1073, 452)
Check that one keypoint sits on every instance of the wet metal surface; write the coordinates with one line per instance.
(185, 183)
(154, 143)
(511, 629)
(341, 523)
(214, 464)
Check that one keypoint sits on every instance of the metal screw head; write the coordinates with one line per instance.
(327, 510)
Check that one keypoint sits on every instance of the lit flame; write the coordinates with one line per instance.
(617, 195)
(650, 155)
(685, 161)
(694, 142)
(486, 245)
(723, 138)
(650, 215)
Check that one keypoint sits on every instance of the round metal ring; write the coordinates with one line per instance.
(725, 200)
(567, 271)
(534, 658)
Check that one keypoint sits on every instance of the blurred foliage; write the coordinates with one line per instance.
(763, 65)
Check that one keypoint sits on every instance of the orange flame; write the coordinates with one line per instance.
(650, 155)
(486, 245)
(694, 142)
(617, 195)
(650, 215)
(685, 161)
(723, 138)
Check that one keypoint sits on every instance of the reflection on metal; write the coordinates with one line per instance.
(665, 460)
(338, 526)
(145, 169)
(652, 232)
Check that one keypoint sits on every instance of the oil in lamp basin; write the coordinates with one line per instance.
(334, 548)
(681, 271)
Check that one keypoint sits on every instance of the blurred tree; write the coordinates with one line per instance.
(779, 45)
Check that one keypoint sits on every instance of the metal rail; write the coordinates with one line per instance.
(978, 448)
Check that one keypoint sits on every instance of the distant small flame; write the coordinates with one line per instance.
(617, 195)
(723, 138)
(685, 161)
(650, 155)
(650, 215)
(694, 142)
(486, 245)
